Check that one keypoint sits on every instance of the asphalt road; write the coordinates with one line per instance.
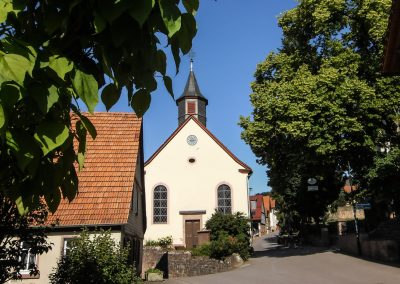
(307, 265)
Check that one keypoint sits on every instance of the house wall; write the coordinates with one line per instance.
(48, 261)
(273, 220)
(137, 220)
(192, 186)
(133, 231)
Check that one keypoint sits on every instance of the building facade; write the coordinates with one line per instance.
(110, 196)
(192, 175)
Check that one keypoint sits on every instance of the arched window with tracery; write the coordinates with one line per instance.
(160, 204)
(224, 199)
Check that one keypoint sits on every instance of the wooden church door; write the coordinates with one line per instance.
(191, 229)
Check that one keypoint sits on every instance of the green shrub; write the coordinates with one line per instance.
(94, 259)
(202, 250)
(229, 234)
(153, 270)
(165, 243)
(150, 243)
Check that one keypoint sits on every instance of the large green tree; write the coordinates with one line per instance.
(321, 103)
(58, 54)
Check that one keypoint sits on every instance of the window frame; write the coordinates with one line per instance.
(154, 216)
(225, 209)
(65, 247)
(26, 270)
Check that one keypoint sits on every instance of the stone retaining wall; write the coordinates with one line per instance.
(182, 263)
(154, 257)
(385, 250)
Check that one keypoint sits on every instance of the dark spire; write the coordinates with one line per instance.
(192, 101)
(192, 89)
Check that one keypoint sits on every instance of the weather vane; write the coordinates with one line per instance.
(192, 55)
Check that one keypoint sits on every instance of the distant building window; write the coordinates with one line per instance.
(253, 205)
(28, 259)
(224, 199)
(160, 199)
(191, 107)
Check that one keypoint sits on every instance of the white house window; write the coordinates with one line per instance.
(28, 259)
(67, 245)
(160, 200)
(224, 199)
(253, 205)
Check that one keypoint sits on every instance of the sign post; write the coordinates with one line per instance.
(312, 184)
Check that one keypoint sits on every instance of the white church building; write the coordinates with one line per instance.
(191, 175)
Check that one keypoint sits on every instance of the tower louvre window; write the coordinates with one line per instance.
(191, 107)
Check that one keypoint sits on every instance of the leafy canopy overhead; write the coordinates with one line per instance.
(320, 102)
(17, 235)
(53, 53)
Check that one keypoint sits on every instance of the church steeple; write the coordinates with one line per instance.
(192, 102)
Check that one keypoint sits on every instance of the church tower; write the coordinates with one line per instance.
(192, 102)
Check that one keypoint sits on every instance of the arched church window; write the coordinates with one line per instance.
(224, 199)
(160, 200)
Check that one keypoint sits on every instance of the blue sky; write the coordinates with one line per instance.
(233, 37)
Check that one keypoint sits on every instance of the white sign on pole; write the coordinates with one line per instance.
(312, 188)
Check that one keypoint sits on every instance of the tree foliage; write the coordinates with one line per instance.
(56, 55)
(94, 259)
(230, 233)
(383, 183)
(320, 102)
(17, 231)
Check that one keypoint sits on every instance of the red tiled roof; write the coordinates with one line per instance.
(256, 214)
(348, 189)
(246, 168)
(273, 203)
(267, 203)
(107, 180)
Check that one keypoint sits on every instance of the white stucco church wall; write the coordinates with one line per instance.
(192, 187)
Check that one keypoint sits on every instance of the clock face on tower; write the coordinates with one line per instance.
(191, 140)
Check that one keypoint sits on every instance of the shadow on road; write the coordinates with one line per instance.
(268, 246)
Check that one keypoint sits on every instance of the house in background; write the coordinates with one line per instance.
(257, 223)
(269, 214)
(192, 175)
(111, 193)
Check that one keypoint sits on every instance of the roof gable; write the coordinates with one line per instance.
(256, 214)
(106, 183)
(245, 168)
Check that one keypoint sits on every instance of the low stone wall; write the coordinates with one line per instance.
(182, 263)
(154, 257)
(385, 250)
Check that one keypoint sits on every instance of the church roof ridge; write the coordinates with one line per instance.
(246, 168)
